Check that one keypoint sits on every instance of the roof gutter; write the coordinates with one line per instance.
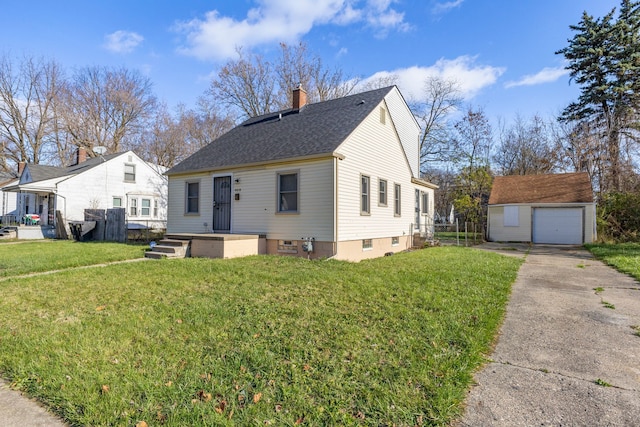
(424, 183)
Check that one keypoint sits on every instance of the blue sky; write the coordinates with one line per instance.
(501, 52)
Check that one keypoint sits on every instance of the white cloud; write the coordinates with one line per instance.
(440, 8)
(217, 37)
(470, 77)
(122, 41)
(546, 75)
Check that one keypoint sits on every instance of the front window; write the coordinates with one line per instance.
(193, 197)
(133, 207)
(145, 207)
(130, 173)
(288, 192)
(117, 202)
(365, 191)
(396, 200)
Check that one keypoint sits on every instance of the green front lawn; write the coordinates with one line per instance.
(25, 257)
(257, 341)
(623, 256)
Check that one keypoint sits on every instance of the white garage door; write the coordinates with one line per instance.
(562, 226)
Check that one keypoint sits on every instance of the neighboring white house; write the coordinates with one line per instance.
(8, 201)
(555, 209)
(343, 173)
(121, 180)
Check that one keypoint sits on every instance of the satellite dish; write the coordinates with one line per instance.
(100, 149)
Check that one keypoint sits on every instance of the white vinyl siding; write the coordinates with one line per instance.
(511, 218)
(179, 221)
(374, 149)
(407, 129)
(101, 185)
(256, 209)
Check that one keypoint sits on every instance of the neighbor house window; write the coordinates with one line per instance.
(510, 218)
(395, 241)
(145, 207)
(117, 202)
(130, 173)
(365, 192)
(288, 192)
(396, 200)
(193, 198)
(367, 244)
(133, 207)
(382, 192)
(155, 208)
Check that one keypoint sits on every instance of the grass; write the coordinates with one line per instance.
(258, 340)
(38, 256)
(602, 383)
(625, 257)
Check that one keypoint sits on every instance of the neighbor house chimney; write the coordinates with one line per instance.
(81, 155)
(21, 166)
(299, 97)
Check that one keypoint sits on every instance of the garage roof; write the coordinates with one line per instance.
(554, 188)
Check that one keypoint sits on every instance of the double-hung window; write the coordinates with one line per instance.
(129, 173)
(133, 207)
(193, 198)
(397, 211)
(288, 192)
(145, 207)
(382, 192)
(365, 195)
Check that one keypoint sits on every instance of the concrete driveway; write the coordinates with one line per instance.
(566, 355)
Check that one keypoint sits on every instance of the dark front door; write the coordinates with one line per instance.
(222, 204)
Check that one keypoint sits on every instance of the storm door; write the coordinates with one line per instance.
(222, 204)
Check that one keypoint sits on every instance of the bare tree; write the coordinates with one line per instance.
(107, 107)
(245, 84)
(473, 138)
(170, 139)
(526, 148)
(440, 98)
(28, 98)
(252, 86)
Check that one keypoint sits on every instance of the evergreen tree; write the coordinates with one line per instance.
(604, 58)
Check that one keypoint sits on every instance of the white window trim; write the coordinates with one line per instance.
(386, 192)
(397, 199)
(125, 172)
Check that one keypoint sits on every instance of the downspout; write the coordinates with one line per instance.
(335, 206)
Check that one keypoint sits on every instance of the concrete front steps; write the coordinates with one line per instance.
(8, 232)
(169, 248)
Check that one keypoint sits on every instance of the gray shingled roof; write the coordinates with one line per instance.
(44, 172)
(315, 129)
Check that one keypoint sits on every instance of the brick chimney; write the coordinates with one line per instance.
(299, 97)
(21, 166)
(81, 155)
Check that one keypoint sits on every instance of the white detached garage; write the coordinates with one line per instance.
(552, 209)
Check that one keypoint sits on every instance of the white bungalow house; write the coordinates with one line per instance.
(552, 208)
(342, 175)
(120, 180)
(8, 201)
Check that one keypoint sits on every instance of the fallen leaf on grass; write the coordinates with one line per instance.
(142, 424)
(104, 389)
(220, 406)
(299, 420)
(101, 307)
(257, 397)
(204, 396)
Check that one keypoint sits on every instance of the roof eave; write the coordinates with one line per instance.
(257, 164)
